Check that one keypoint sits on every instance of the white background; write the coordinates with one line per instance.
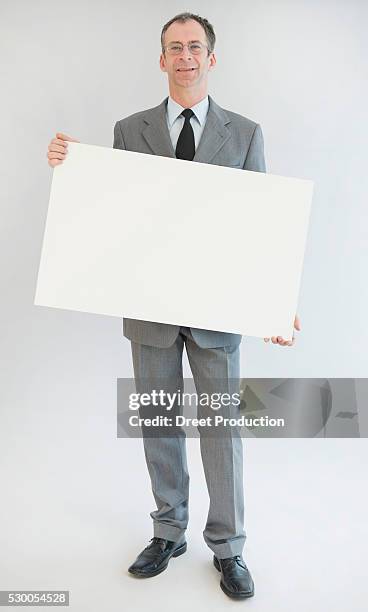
(299, 69)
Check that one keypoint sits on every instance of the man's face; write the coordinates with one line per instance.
(186, 70)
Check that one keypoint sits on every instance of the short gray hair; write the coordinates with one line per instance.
(183, 17)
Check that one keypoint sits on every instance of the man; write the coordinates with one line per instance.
(190, 125)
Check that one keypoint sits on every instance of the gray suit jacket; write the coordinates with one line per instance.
(228, 139)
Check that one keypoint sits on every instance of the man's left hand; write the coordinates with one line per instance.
(280, 340)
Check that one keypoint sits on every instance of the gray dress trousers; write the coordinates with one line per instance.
(214, 370)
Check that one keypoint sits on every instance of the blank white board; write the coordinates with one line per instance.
(173, 241)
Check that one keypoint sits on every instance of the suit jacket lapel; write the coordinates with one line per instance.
(214, 135)
(156, 132)
(213, 138)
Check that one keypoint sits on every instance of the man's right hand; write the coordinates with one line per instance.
(58, 149)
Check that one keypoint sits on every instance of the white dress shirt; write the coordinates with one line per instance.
(175, 120)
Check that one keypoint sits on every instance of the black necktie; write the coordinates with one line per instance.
(185, 147)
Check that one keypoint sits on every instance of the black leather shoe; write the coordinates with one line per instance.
(236, 580)
(155, 558)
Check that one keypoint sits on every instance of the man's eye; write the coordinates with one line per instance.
(195, 46)
(175, 47)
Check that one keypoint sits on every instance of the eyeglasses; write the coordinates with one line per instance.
(176, 48)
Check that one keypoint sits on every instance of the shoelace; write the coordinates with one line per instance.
(149, 548)
(232, 561)
(155, 540)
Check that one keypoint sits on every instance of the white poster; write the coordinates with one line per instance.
(174, 241)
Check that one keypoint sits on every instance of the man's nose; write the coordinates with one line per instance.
(186, 53)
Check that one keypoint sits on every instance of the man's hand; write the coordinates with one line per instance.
(58, 149)
(280, 340)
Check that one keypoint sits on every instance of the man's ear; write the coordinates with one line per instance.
(162, 63)
(212, 61)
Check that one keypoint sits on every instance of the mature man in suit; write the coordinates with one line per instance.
(188, 124)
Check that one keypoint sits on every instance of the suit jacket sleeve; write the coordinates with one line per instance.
(255, 157)
(118, 137)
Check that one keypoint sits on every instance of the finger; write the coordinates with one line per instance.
(59, 141)
(54, 162)
(56, 155)
(274, 339)
(65, 137)
(55, 147)
(283, 342)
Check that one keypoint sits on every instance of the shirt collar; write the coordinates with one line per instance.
(174, 109)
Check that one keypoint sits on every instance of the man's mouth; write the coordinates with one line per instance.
(185, 69)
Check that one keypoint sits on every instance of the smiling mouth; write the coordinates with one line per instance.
(185, 69)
